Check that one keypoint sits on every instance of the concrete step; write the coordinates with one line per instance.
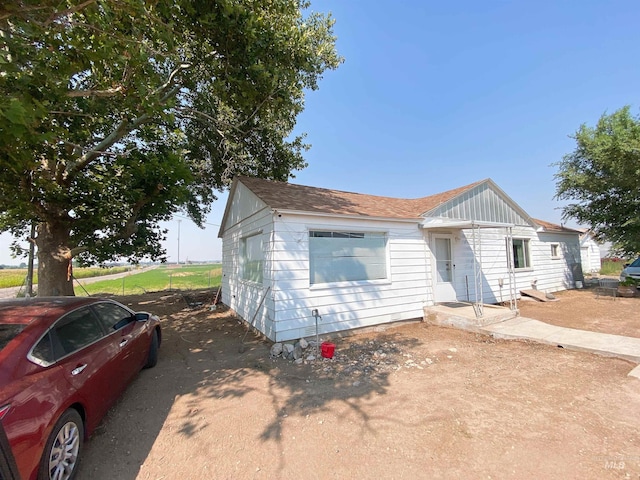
(463, 315)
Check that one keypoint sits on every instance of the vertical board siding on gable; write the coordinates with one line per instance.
(344, 307)
(481, 203)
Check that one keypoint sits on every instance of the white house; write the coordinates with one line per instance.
(360, 260)
(589, 252)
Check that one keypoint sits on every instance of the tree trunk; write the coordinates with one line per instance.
(54, 261)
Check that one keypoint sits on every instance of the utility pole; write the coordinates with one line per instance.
(179, 241)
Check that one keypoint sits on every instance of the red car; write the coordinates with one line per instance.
(63, 362)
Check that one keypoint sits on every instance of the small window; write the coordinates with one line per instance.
(43, 351)
(252, 258)
(77, 330)
(555, 250)
(521, 257)
(347, 256)
(111, 315)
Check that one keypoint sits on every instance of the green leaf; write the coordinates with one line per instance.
(115, 115)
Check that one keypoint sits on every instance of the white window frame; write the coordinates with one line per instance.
(330, 265)
(555, 251)
(252, 258)
(526, 246)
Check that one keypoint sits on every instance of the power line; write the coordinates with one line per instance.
(187, 218)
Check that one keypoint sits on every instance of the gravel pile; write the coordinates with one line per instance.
(355, 359)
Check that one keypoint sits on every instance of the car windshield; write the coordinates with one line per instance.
(636, 263)
(8, 331)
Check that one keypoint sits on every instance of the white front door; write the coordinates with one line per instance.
(444, 290)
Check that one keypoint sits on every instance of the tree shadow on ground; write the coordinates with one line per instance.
(200, 360)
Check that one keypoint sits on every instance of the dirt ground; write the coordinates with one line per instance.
(585, 310)
(411, 401)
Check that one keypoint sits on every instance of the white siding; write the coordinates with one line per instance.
(554, 274)
(351, 304)
(247, 215)
(286, 313)
(590, 255)
(546, 273)
(244, 204)
(490, 257)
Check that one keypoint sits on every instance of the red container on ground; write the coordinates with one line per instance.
(327, 349)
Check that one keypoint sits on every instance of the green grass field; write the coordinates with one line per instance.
(15, 277)
(609, 267)
(187, 277)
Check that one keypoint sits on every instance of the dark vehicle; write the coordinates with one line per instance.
(63, 362)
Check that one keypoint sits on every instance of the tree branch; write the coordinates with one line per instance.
(172, 75)
(70, 114)
(124, 127)
(198, 113)
(109, 92)
(129, 227)
(257, 109)
(69, 11)
(4, 14)
(101, 153)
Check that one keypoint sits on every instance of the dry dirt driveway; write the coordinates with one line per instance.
(413, 401)
(584, 310)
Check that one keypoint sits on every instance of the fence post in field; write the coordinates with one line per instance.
(122, 286)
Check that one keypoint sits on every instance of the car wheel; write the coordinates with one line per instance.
(152, 358)
(62, 450)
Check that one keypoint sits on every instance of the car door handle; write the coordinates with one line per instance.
(78, 369)
(124, 342)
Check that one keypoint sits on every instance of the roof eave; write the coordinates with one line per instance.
(415, 220)
(227, 207)
(439, 222)
(566, 231)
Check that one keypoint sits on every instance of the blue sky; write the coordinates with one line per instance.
(436, 95)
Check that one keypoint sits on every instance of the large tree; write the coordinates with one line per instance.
(601, 180)
(116, 114)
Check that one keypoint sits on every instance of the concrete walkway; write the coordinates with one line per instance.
(627, 348)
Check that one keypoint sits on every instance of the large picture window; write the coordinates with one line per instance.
(521, 258)
(347, 256)
(252, 258)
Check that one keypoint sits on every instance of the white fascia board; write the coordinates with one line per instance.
(416, 220)
(438, 222)
(552, 232)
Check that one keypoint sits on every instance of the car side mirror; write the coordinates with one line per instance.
(142, 316)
